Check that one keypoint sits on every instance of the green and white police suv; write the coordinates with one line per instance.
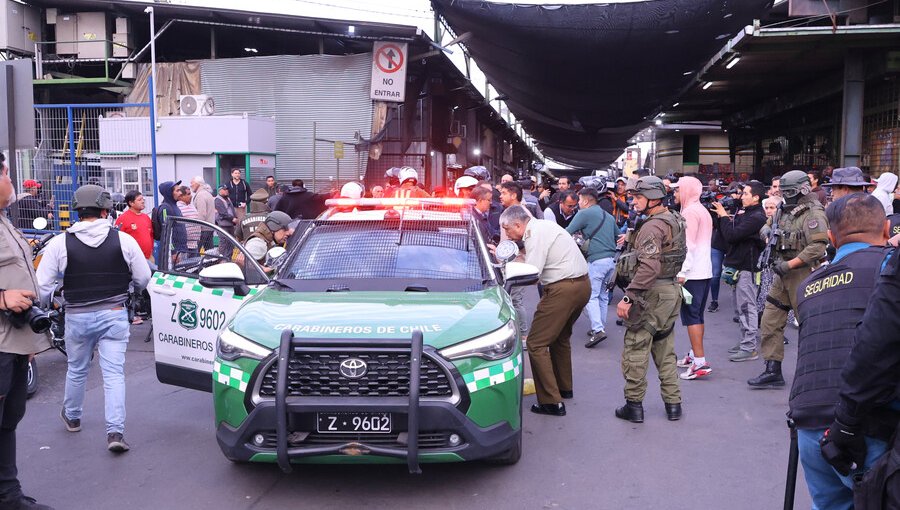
(387, 336)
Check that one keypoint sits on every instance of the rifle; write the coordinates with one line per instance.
(613, 278)
(767, 257)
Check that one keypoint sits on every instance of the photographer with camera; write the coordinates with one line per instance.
(18, 289)
(96, 263)
(741, 232)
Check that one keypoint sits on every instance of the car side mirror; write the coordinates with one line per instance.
(39, 223)
(226, 275)
(519, 274)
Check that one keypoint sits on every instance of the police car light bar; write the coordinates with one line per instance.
(398, 202)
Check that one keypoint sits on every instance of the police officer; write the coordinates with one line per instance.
(652, 300)
(96, 264)
(800, 249)
(870, 392)
(275, 230)
(831, 302)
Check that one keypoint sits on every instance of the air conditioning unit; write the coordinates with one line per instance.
(197, 105)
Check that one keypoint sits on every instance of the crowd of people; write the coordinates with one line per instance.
(813, 247)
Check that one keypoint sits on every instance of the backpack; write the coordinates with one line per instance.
(157, 222)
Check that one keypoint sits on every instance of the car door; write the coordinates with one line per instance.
(187, 316)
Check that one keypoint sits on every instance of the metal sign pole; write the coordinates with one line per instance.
(314, 157)
(152, 94)
(10, 119)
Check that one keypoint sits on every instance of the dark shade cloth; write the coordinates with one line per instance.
(562, 66)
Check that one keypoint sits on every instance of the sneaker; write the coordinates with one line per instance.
(685, 362)
(734, 350)
(596, 339)
(115, 442)
(744, 356)
(71, 425)
(696, 372)
(713, 307)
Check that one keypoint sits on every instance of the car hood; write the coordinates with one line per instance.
(445, 318)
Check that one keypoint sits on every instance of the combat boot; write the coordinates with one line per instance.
(631, 411)
(770, 378)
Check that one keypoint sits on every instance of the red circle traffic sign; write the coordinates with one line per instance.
(392, 56)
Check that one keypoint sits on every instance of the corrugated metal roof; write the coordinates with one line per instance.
(298, 90)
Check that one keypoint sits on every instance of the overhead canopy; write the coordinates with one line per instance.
(585, 78)
(797, 65)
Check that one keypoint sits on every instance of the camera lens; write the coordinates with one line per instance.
(39, 320)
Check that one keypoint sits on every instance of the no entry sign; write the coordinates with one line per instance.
(389, 71)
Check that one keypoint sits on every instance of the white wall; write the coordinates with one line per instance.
(188, 135)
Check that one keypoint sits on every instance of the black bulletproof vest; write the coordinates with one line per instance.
(562, 222)
(94, 274)
(832, 302)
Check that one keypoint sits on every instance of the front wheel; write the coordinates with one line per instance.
(32, 386)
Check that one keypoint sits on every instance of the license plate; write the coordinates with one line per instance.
(354, 422)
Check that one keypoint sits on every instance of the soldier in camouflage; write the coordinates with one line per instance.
(799, 251)
(652, 300)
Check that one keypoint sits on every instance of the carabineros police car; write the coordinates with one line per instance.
(387, 335)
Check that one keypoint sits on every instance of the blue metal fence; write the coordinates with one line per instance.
(67, 155)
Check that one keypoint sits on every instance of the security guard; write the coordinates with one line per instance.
(275, 230)
(800, 249)
(652, 300)
(869, 387)
(831, 302)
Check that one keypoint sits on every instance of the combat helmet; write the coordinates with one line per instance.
(92, 196)
(650, 187)
(795, 183)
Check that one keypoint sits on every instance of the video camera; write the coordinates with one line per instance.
(35, 317)
(708, 198)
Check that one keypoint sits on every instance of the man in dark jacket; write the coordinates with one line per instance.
(169, 191)
(238, 193)
(744, 246)
(300, 203)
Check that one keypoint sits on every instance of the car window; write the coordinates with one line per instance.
(350, 250)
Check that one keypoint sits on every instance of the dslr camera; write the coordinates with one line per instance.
(708, 198)
(34, 317)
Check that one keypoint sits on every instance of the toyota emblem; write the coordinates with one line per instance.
(353, 368)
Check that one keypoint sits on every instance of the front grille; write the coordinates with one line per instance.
(427, 440)
(317, 374)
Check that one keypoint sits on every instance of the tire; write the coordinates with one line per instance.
(32, 386)
(510, 456)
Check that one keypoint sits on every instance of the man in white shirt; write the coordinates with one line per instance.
(563, 273)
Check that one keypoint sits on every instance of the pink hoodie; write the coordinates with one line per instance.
(698, 263)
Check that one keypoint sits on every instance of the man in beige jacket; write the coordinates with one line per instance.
(18, 287)
(203, 200)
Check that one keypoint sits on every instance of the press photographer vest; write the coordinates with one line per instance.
(95, 274)
(831, 302)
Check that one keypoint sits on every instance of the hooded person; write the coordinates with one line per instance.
(696, 273)
(162, 212)
(884, 191)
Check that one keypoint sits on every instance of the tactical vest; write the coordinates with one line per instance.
(793, 240)
(560, 220)
(95, 274)
(672, 254)
(832, 302)
(250, 224)
(263, 232)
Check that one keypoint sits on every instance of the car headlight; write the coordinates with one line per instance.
(497, 344)
(232, 346)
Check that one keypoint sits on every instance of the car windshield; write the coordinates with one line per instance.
(435, 250)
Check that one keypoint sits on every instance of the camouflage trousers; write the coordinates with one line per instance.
(651, 333)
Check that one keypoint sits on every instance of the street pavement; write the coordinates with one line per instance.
(729, 451)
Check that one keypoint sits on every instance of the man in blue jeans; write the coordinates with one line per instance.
(96, 263)
(598, 228)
